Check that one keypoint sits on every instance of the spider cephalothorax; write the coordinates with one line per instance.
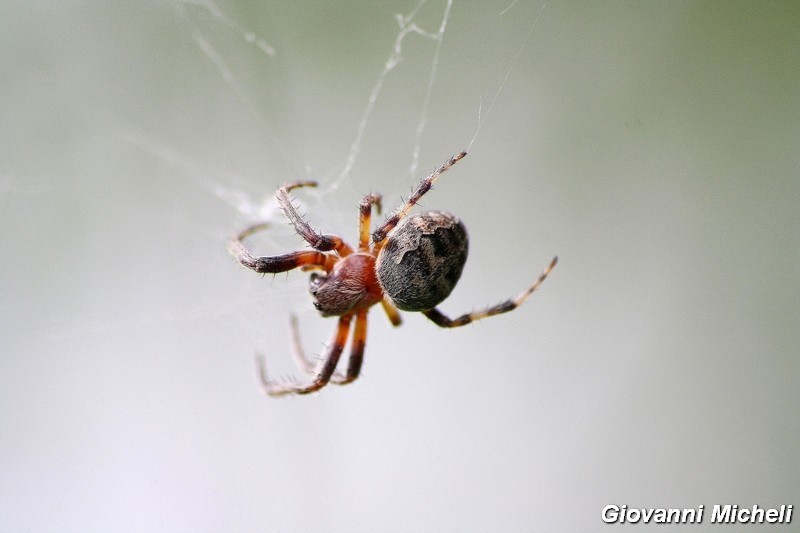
(410, 263)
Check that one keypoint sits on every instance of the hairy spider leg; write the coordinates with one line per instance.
(425, 185)
(440, 319)
(295, 344)
(355, 359)
(365, 217)
(318, 241)
(324, 370)
(357, 346)
(277, 263)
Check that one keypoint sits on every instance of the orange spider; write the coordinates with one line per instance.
(412, 264)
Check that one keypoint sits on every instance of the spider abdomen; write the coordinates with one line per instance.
(422, 260)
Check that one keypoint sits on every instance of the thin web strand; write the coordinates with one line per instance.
(234, 197)
(423, 116)
(482, 120)
(407, 26)
(246, 35)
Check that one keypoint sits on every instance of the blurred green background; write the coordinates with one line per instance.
(652, 146)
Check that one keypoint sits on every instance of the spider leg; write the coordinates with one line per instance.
(392, 313)
(364, 217)
(424, 186)
(323, 372)
(440, 319)
(298, 354)
(277, 263)
(318, 241)
(356, 351)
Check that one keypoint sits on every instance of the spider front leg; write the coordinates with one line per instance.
(442, 320)
(323, 372)
(277, 263)
(424, 186)
(318, 241)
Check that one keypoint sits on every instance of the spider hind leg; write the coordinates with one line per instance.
(442, 320)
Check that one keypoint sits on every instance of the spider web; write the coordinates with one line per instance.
(416, 46)
(137, 136)
(407, 27)
(263, 207)
(409, 60)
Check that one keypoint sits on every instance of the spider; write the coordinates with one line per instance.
(412, 264)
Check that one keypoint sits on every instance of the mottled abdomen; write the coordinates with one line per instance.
(422, 260)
